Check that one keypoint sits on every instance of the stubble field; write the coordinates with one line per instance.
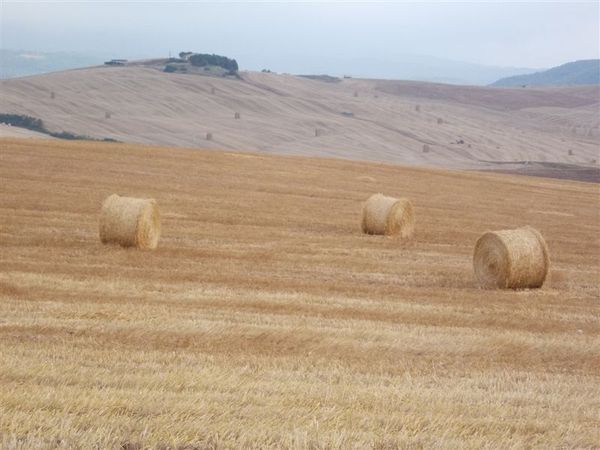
(265, 319)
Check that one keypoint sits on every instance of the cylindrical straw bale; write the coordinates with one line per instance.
(130, 222)
(513, 259)
(388, 216)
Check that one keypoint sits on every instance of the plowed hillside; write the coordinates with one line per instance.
(463, 126)
(265, 319)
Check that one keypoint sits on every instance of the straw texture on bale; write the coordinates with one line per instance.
(389, 216)
(513, 259)
(130, 222)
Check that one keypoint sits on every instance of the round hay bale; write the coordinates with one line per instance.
(513, 259)
(389, 216)
(130, 222)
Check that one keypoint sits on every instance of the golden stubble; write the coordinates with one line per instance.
(267, 319)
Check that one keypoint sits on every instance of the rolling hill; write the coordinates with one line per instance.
(584, 72)
(266, 319)
(18, 63)
(379, 120)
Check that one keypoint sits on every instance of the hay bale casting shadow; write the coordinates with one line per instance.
(514, 259)
(389, 216)
(130, 222)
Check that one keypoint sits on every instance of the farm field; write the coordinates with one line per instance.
(266, 319)
(403, 122)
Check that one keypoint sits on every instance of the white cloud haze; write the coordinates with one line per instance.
(279, 35)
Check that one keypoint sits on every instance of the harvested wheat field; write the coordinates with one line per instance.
(554, 130)
(265, 318)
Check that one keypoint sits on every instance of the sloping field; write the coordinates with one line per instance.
(265, 319)
(463, 126)
(17, 132)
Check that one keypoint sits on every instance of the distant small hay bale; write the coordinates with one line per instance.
(236, 115)
(511, 259)
(130, 222)
(389, 216)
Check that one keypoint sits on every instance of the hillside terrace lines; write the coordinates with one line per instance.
(152, 107)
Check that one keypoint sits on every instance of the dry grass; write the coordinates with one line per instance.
(265, 318)
(279, 113)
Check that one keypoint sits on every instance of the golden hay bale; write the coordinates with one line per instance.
(511, 259)
(130, 222)
(389, 216)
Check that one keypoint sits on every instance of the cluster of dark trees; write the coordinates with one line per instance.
(35, 124)
(204, 59)
(18, 120)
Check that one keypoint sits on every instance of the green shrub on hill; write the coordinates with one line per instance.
(204, 59)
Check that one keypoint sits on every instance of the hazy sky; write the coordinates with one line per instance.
(522, 34)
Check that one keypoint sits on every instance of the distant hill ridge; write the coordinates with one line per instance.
(19, 63)
(583, 72)
(380, 120)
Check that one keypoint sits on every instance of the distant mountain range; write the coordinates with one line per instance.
(582, 72)
(18, 63)
(391, 67)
